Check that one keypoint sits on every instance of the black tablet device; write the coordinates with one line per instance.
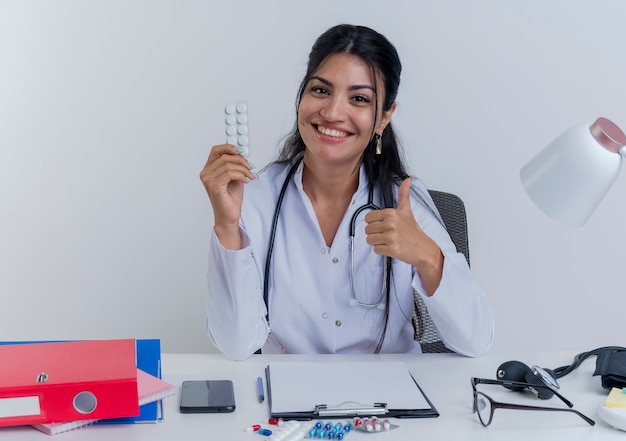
(207, 396)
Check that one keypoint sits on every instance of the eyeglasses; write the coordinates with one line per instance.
(485, 406)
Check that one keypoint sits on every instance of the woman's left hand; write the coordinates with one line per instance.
(394, 232)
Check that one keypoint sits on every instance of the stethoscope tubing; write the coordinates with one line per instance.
(270, 248)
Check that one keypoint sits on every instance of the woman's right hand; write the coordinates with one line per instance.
(224, 176)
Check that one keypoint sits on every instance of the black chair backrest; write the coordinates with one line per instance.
(452, 210)
(454, 217)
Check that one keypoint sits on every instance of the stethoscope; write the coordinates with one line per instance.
(368, 206)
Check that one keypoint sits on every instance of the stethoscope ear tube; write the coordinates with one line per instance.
(270, 246)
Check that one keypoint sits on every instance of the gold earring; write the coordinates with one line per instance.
(379, 145)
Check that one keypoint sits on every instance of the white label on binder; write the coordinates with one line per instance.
(20, 406)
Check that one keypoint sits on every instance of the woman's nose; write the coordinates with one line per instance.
(333, 109)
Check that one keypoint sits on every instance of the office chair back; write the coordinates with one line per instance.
(454, 217)
(452, 210)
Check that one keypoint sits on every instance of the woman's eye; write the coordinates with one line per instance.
(320, 90)
(362, 99)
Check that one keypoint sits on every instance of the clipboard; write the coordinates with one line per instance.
(309, 390)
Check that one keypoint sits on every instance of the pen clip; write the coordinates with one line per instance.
(345, 411)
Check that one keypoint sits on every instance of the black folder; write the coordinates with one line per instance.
(337, 389)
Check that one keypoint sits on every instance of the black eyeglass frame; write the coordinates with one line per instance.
(499, 405)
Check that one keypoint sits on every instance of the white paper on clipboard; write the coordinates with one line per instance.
(301, 386)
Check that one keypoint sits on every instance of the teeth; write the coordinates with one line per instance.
(333, 133)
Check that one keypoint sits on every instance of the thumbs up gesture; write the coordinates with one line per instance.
(394, 232)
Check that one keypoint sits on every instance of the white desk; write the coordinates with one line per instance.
(445, 378)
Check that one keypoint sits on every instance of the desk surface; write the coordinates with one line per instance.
(445, 378)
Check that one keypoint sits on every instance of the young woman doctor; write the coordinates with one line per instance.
(354, 236)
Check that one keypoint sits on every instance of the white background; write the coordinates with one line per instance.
(108, 110)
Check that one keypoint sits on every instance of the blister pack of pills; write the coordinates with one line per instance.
(329, 430)
(372, 424)
(279, 430)
(236, 120)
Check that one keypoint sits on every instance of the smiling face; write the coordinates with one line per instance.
(337, 112)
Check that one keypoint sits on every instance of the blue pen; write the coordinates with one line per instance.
(259, 389)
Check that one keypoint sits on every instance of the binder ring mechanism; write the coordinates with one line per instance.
(350, 408)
